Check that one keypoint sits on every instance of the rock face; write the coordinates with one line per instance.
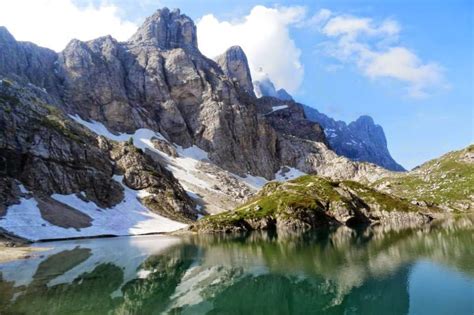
(235, 66)
(288, 118)
(47, 153)
(27, 62)
(167, 30)
(361, 140)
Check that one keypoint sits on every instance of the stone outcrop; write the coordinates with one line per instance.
(167, 30)
(141, 172)
(235, 66)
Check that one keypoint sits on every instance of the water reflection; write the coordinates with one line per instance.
(372, 271)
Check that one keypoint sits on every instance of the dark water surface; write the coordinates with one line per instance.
(373, 271)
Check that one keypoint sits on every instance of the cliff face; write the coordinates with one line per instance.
(59, 180)
(235, 66)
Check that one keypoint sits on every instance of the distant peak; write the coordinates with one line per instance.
(366, 120)
(167, 30)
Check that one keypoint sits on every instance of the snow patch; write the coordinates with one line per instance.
(183, 167)
(23, 189)
(129, 217)
(257, 182)
(277, 108)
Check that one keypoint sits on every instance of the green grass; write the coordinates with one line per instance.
(385, 201)
(307, 193)
(447, 180)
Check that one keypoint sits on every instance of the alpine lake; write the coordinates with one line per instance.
(376, 270)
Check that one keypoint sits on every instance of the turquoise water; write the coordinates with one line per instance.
(372, 271)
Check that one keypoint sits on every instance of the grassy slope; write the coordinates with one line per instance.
(311, 193)
(448, 181)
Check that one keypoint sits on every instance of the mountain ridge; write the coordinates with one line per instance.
(360, 140)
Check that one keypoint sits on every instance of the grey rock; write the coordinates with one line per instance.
(167, 30)
(50, 154)
(142, 172)
(288, 118)
(27, 62)
(235, 66)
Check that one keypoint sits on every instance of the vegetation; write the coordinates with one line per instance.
(447, 181)
(308, 194)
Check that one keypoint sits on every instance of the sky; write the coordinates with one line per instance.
(407, 63)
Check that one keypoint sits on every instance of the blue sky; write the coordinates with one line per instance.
(408, 64)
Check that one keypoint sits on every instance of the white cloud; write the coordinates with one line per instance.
(375, 50)
(265, 37)
(53, 23)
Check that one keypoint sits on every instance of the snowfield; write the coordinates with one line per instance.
(129, 217)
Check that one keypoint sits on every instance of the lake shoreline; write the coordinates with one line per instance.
(11, 250)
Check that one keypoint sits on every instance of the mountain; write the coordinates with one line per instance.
(59, 180)
(159, 118)
(433, 190)
(360, 140)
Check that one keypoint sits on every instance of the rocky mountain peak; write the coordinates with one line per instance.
(167, 30)
(235, 65)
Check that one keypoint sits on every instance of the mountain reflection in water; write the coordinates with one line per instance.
(371, 271)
